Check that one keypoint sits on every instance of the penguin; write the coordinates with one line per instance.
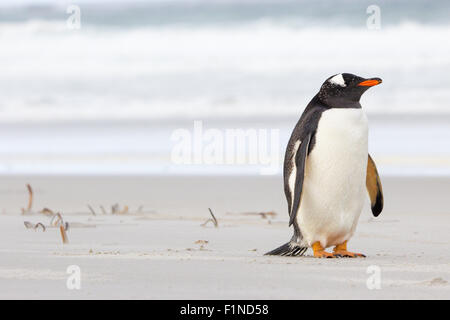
(327, 170)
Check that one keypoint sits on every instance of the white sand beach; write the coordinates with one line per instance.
(160, 250)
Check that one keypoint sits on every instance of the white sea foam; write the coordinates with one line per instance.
(48, 72)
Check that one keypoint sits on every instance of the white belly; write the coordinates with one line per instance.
(335, 179)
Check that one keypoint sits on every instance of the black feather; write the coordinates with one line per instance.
(300, 161)
(289, 249)
(378, 205)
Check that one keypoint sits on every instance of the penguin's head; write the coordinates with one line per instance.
(344, 90)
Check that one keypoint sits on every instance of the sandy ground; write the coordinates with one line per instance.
(153, 251)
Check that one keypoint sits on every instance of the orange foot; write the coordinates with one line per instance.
(319, 251)
(341, 251)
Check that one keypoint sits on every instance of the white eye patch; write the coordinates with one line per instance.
(339, 80)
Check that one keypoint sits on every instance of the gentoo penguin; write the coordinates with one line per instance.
(327, 169)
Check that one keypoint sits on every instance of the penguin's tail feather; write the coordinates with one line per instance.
(290, 249)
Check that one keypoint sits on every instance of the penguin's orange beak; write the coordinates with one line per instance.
(370, 82)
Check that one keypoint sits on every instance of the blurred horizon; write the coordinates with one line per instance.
(232, 64)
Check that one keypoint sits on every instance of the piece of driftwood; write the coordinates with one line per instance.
(202, 244)
(91, 210)
(47, 212)
(124, 210)
(30, 225)
(212, 219)
(115, 208)
(58, 221)
(39, 224)
(30, 200)
(62, 230)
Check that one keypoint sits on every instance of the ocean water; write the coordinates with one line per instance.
(227, 62)
(410, 146)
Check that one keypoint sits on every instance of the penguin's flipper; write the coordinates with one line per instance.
(300, 161)
(374, 188)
